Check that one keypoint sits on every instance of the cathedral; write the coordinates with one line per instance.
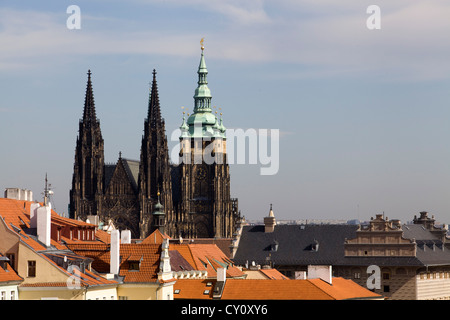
(190, 199)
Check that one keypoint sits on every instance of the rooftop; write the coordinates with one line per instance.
(240, 289)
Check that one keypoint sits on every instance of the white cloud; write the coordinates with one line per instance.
(329, 39)
(238, 11)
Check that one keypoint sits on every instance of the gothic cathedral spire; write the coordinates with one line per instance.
(154, 109)
(87, 179)
(89, 115)
(154, 167)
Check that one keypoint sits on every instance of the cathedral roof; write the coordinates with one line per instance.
(131, 168)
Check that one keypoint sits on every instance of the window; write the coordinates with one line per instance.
(177, 291)
(3, 295)
(133, 265)
(31, 268)
(12, 260)
(13, 295)
(386, 288)
(386, 276)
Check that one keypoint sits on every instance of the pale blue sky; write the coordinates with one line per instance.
(364, 115)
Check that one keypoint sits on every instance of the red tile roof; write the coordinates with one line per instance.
(197, 289)
(148, 256)
(207, 257)
(273, 274)
(16, 216)
(242, 289)
(156, 237)
(7, 273)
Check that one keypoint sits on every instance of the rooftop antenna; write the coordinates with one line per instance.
(47, 191)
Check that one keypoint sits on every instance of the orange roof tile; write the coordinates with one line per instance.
(207, 257)
(272, 290)
(243, 289)
(147, 254)
(193, 289)
(344, 289)
(156, 237)
(8, 274)
(16, 216)
(273, 274)
(46, 284)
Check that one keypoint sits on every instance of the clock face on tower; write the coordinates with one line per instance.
(201, 173)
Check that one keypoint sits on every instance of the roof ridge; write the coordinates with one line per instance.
(328, 294)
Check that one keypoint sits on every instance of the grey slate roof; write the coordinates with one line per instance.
(295, 244)
(132, 169)
(296, 247)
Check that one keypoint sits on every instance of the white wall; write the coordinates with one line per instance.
(102, 294)
(9, 292)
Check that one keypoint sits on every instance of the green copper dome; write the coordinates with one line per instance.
(202, 123)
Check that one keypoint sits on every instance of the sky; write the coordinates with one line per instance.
(363, 114)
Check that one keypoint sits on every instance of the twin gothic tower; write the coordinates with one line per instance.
(191, 199)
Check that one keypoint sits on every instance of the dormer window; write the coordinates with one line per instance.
(133, 265)
(134, 262)
(274, 246)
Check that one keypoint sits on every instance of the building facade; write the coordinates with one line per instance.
(191, 199)
(398, 261)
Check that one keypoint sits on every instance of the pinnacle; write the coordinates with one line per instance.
(89, 104)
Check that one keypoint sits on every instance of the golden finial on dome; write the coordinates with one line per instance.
(201, 43)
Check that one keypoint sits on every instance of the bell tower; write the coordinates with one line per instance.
(205, 203)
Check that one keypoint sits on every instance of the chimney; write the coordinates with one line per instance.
(322, 272)
(165, 270)
(125, 236)
(270, 222)
(221, 274)
(115, 252)
(19, 194)
(33, 214)
(220, 284)
(43, 221)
